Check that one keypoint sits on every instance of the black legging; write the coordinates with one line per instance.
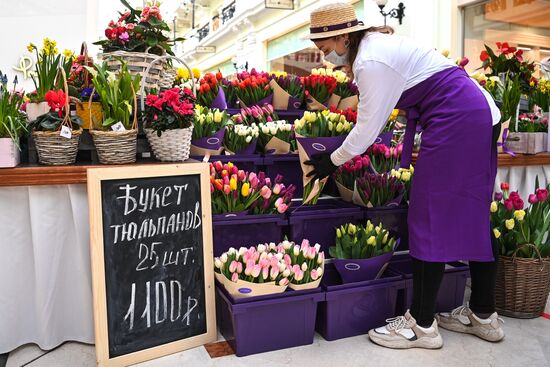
(427, 278)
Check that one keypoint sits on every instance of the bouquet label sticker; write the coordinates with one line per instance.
(66, 132)
(118, 127)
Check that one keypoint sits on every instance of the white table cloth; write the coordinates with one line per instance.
(45, 276)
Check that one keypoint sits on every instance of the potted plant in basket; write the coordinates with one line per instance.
(13, 123)
(139, 37)
(532, 134)
(522, 235)
(48, 61)
(168, 119)
(115, 138)
(361, 251)
(56, 133)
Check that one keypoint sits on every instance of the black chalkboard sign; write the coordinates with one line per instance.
(151, 260)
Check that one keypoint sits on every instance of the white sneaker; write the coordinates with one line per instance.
(463, 320)
(403, 333)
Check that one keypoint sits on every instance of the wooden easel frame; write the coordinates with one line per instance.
(95, 176)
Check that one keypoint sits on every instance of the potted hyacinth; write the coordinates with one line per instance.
(522, 232)
(347, 173)
(209, 127)
(13, 123)
(318, 132)
(269, 268)
(361, 251)
(168, 123)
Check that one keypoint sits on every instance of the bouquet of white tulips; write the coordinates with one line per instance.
(276, 137)
(241, 138)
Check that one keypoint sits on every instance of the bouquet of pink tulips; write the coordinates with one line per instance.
(383, 158)
(269, 268)
(274, 198)
(255, 115)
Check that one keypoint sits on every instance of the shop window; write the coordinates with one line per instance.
(522, 23)
(299, 62)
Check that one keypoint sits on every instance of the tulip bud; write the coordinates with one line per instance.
(223, 258)
(532, 199)
(496, 232)
(296, 250)
(510, 223)
(304, 267)
(217, 263)
(286, 273)
(234, 277)
(283, 282)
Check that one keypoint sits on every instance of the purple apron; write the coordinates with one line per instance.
(455, 170)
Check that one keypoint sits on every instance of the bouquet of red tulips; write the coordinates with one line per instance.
(318, 91)
(348, 113)
(253, 88)
(347, 173)
(210, 93)
(374, 190)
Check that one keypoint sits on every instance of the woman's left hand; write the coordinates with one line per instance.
(322, 166)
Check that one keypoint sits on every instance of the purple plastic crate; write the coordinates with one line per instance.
(318, 222)
(246, 230)
(246, 162)
(266, 323)
(355, 308)
(394, 219)
(451, 292)
(287, 165)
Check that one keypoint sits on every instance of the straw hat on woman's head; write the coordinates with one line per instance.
(333, 20)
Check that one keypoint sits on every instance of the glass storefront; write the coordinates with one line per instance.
(295, 55)
(524, 24)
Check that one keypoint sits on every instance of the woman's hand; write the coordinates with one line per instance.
(322, 166)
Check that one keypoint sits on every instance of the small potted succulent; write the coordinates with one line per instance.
(13, 123)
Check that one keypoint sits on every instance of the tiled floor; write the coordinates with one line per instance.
(526, 344)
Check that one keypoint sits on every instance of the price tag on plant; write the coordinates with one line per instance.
(118, 127)
(66, 132)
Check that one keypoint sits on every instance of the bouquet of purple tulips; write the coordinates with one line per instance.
(288, 91)
(375, 190)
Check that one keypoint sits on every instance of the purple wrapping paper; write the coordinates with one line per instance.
(384, 138)
(249, 149)
(213, 141)
(313, 146)
(219, 102)
(359, 270)
(294, 103)
(230, 215)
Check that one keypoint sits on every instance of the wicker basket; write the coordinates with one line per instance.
(137, 63)
(168, 78)
(522, 285)
(172, 145)
(116, 147)
(54, 149)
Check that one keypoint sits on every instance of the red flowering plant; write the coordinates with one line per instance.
(376, 190)
(510, 60)
(384, 158)
(52, 121)
(252, 88)
(139, 31)
(234, 190)
(209, 88)
(515, 225)
(169, 110)
(318, 90)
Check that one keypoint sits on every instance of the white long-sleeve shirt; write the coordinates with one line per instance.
(385, 67)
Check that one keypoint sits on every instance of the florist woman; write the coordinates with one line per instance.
(454, 173)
